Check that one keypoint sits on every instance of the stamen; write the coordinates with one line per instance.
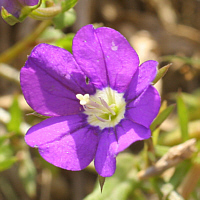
(84, 99)
(107, 106)
(93, 104)
(93, 110)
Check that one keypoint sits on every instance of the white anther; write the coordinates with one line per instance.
(84, 99)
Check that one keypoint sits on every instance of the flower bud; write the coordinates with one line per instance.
(14, 11)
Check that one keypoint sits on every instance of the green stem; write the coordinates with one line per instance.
(19, 47)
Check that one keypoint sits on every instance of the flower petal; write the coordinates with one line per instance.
(129, 132)
(50, 81)
(141, 79)
(105, 56)
(145, 108)
(105, 159)
(65, 142)
(29, 2)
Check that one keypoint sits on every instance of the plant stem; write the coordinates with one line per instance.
(19, 47)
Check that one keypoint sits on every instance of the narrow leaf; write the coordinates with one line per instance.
(66, 5)
(161, 117)
(161, 72)
(183, 117)
(7, 163)
(16, 117)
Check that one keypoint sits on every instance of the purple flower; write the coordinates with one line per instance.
(14, 6)
(99, 99)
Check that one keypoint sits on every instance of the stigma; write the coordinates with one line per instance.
(105, 108)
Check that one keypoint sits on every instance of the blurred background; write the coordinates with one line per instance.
(164, 30)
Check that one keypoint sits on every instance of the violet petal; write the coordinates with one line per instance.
(129, 132)
(105, 159)
(50, 81)
(66, 142)
(105, 56)
(141, 79)
(145, 108)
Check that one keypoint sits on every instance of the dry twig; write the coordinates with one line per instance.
(174, 156)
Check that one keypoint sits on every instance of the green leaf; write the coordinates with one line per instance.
(9, 18)
(51, 34)
(161, 117)
(16, 117)
(64, 19)
(6, 156)
(192, 102)
(180, 172)
(161, 150)
(27, 173)
(183, 117)
(7, 163)
(67, 4)
(187, 60)
(156, 184)
(161, 72)
(66, 42)
(3, 138)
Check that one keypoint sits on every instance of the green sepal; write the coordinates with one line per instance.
(9, 18)
(161, 72)
(101, 181)
(25, 11)
(66, 5)
(122, 183)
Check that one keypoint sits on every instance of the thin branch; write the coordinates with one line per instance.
(174, 156)
(19, 47)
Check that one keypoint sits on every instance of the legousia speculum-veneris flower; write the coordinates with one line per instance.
(99, 100)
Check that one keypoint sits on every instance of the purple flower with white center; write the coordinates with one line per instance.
(99, 99)
(14, 7)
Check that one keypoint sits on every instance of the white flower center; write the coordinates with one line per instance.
(105, 108)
